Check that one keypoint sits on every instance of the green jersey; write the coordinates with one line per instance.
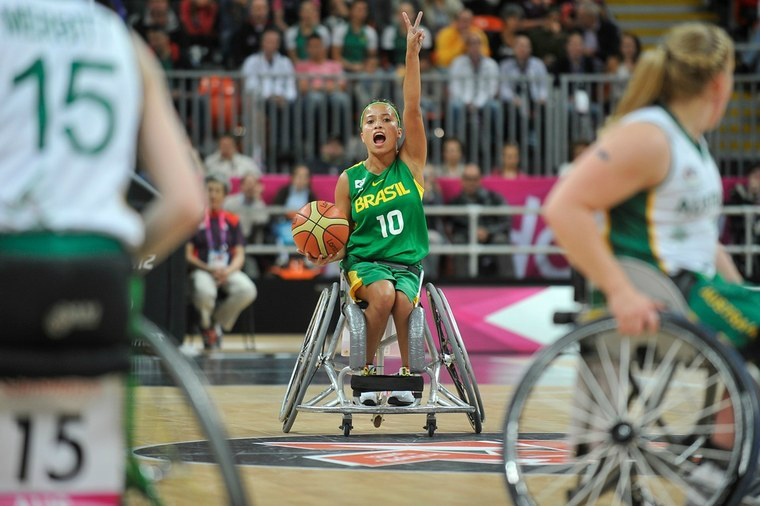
(389, 221)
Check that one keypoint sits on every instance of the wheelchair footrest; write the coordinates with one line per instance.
(382, 383)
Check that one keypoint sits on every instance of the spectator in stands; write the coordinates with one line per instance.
(227, 163)
(510, 161)
(746, 194)
(334, 13)
(440, 13)
(601, 37)
(575, 61)
(490, 229)
(216, 255)
(157, 14)
(451, 41)
(536, 13)
(577, 148)
(199, 27)
(354, 42)
(751, 59)
(233, 14)
(322, 90)
(247, 39)
(286, 12)
(549, 38)
(332, 158)
(473, 88)
(503, 42)
(293, 196)
(166, 51)
(297, 37)
(453, 163)
(433, 196)
(277, 94)
(524, 77)
(250, 208)
(630, 49)
(393, 39)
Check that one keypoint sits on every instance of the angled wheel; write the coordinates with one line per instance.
(452, 354)
(465, 355)
(298, 369)
(605, 419)
(310, 360)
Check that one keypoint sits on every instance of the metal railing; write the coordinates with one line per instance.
(280, 133)
(749, 249)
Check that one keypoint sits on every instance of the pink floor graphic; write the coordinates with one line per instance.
(504, 320)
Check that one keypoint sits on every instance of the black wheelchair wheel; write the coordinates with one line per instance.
(453, 357)
(605, 419)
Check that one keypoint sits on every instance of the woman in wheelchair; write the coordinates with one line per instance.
(653, 176)
(382, 198)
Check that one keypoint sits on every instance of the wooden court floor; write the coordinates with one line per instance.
(251, 411)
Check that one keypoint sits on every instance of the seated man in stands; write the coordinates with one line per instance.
(216, 254)
(490, 229)
(250, 208)
(227, 163)
(296, 194)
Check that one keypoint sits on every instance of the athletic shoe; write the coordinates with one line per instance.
(369, 398)
(402, 397)
(210, 338)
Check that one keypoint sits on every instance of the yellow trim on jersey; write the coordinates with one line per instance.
(355, 283)
(420, 188)
(651, 230)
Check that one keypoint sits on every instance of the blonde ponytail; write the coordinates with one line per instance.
(679, 68)
(645, 86)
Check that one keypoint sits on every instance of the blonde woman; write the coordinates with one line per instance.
(663, 201)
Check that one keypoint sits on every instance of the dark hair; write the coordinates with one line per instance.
(216, 178)
(313, 36)
(636, 41)
(380, 101)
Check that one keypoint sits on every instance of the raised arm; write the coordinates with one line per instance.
(414, 150)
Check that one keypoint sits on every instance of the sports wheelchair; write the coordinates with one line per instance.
(601, 418)
(425, 358)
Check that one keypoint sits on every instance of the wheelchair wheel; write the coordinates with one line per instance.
(465, 355)
(310, 360)
(156, 474)
(605, 419)
(452, 352)
(300, 366)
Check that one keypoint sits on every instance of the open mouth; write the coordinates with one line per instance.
(378, 138)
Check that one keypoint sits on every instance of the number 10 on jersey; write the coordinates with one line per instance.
(392, 222)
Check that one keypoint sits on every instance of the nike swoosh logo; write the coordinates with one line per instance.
(375, 183)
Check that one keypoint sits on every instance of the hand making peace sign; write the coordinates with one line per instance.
(414, 35)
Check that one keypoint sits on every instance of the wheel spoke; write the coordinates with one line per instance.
(609, 372)
(588, 377)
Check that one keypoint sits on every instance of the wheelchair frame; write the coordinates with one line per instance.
(316, 353)
(614, 451)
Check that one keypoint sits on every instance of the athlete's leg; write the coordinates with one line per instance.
(380, 296)
(402, 308)
(204, 295)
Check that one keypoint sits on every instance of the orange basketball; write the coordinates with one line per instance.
(319, 228)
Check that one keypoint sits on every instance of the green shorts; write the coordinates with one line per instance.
(728, 308)
(365, 273)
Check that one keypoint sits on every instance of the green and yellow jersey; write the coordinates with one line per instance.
(389, 220)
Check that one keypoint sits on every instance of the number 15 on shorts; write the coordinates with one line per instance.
(62, 439)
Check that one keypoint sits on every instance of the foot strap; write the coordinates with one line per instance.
(383, 383)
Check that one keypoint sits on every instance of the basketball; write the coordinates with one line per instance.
(319, 228)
